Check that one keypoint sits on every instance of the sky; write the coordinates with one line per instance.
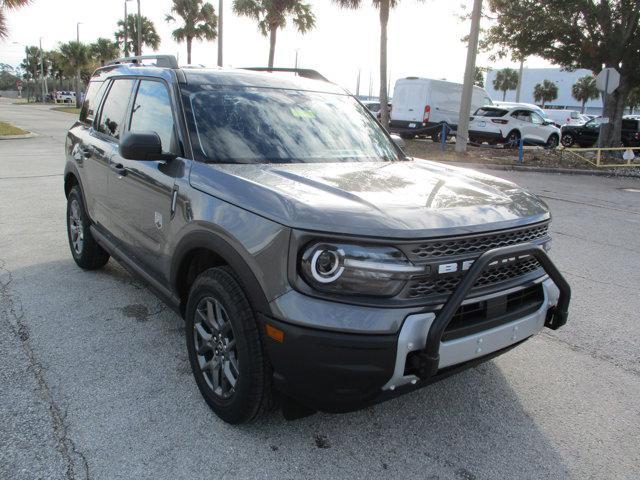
(424, 38)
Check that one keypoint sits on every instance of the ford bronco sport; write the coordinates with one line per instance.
(312, 260)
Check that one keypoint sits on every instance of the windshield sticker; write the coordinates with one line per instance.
(302, 113)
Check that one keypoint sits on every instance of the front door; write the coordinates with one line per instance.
(143, 190)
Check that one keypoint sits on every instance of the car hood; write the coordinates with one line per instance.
(404, 199)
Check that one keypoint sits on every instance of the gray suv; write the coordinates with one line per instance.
(317, 267)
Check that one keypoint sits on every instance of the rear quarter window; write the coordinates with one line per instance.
(490, 112)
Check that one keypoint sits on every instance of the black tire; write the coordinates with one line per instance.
(512, 140)
(568, 140)
(552, 142)
(250, 395)
(84, 249)
(407, 136)
(436, 137)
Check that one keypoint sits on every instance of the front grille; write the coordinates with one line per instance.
(424, 286)
(475, 244)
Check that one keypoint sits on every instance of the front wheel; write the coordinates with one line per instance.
(552, 142)
(84, 249)
(225, 349)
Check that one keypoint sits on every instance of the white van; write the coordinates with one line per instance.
(564, 117)
(420, 105)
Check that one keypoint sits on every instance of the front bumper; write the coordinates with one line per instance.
(340, 372)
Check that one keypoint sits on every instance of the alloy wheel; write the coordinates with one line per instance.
(76, 230)
(215, 347)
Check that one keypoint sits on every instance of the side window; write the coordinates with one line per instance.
(522, 115)
(152, 113)
(537, 119)
(94, 94)
(114, 109)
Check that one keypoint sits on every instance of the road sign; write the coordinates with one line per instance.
(608, 80)
(19, 84)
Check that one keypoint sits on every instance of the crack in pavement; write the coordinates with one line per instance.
(65, 444)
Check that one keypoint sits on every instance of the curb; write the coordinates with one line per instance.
(564, 171)
(18, 137)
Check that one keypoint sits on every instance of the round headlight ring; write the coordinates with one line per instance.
(327, 265)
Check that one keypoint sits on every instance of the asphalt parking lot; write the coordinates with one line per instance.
(95, 381)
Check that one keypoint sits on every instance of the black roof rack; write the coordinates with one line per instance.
(162, 61)
(301, 72)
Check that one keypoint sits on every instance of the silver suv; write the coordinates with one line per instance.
(316, 266)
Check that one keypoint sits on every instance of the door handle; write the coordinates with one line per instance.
(119, 169)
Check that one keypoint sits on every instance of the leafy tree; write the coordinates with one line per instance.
(544, 92)
(478, 76)
(8, 5)
(150, 37)
(575, 34)
(384, 6)
(271, 16)
(103, 50)
(56, 66)
(8, 77)
(77, 56)
(200, 22)
(584, 90)
(505, 80)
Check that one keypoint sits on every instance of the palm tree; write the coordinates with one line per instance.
(271, 16)
(150, 37)
(544, 92)
(56, 66)
(104, 50)
(8, 5)
(31, 66)
(200, 22)
(384, 6)
(77, 55)
(585, 89)
(506, 79)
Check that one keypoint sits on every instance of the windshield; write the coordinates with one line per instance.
(262, 125)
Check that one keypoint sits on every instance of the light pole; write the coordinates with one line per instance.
(220, 27)
(126, 29)
(78, 67)
(42, 70)
(139, 30)
(467, 89)
(520, 73)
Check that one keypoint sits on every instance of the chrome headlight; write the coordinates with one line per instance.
(356, 269)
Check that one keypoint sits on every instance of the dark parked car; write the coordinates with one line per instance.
(587, 135)
(313, 262)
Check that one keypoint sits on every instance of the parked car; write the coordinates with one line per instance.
(564, 117)
(508, 125)
(65, 97)
(257, 207)
(421, 105)
(587, 135)
(374, 107)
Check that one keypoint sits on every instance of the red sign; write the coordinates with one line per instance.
(19, 84)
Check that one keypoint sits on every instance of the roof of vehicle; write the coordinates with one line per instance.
(219, 76)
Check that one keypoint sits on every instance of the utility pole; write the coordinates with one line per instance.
(462, 134)
(220, 31)
(297, 51)
(42, 69)
(520, 73)
(139, 52)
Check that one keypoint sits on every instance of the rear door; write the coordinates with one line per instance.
(522, 122)
(409, 100)
(108, 129)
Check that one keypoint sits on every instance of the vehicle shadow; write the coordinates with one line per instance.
(115, 359)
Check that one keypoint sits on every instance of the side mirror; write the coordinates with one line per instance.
(142, 146)
(399, 142)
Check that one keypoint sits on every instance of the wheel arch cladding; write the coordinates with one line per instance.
(202, 250)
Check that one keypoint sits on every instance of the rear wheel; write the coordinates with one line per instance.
(84, 249)
(512, 140)
(225, 349)
(568, 140)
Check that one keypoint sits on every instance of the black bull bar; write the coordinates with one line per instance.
(429, 358)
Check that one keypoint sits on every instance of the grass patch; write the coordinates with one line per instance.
(73, 110)
(8, 129)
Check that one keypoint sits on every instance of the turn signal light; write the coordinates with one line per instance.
(275, 333)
